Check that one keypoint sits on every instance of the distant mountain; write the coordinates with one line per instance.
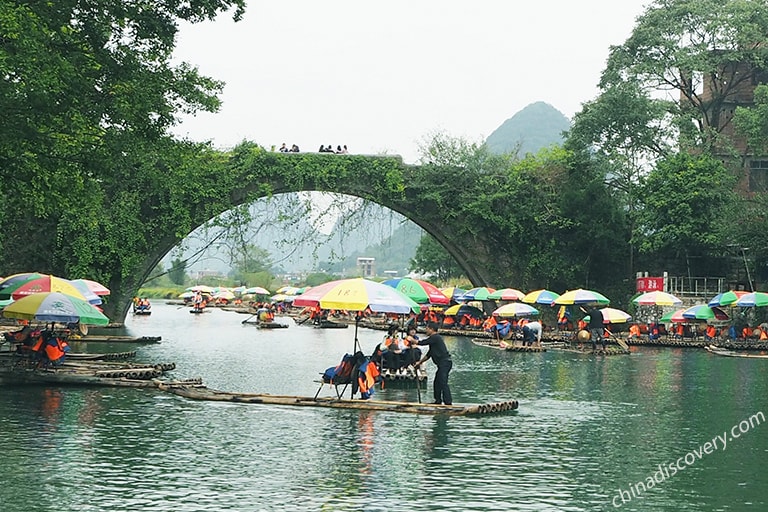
(296, 245)
(537, 126)
(393, 253)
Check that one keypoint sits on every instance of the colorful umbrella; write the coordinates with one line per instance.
(613, 316)
(753, 299)
(356, 295)
(704, 312)
(728, 298)
(420, 291)
(10, 283)
(255, 290)
(479, 293)
(95, 286)
(224, 295)
(453, 292)
(464, 309)
(46, 283)
(583, 297)
(657, 298)
(202, 288)
(55, 307)
(89, 296)
(515, 309)
(507, 294)
(545, 297)
(675, 317)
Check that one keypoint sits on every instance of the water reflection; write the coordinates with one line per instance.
(587, 426)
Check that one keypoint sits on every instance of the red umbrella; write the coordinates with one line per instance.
(94, 286)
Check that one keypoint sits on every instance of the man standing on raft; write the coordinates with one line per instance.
(439, 354)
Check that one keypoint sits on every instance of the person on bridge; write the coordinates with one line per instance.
(439, 354)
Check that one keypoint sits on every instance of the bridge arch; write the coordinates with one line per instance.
(252, 173)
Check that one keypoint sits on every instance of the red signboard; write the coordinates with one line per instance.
(650, 284)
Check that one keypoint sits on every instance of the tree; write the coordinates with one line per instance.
(432, 258)
(685, 199)
(178, 271)
(88, 94)
(680, 69)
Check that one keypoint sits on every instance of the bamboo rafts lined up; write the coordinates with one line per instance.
(200, 392)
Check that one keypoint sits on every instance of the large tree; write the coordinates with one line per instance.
(88, 93)
(685, 201)
(688, 59)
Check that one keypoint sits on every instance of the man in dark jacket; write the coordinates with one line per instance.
(596, 328)
(439, 354)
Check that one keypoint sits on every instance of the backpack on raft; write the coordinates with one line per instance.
(344, 372)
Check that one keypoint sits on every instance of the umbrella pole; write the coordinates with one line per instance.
(354, 351)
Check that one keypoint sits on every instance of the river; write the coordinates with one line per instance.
(588, 429)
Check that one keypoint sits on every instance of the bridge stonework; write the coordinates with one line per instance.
(252, 173)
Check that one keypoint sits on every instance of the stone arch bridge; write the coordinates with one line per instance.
(250, 173)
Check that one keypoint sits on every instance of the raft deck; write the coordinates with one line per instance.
(95, 338)
(200, 392)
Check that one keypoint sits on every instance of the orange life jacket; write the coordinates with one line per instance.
(367, 378)
(54, 350)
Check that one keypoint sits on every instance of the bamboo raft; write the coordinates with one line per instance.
(265, 325)
(508, 346)
(22, 370)
(94, 338)
(200, 392)
(718, 351)
(610, 350)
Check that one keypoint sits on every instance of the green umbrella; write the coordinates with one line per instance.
(55, 307)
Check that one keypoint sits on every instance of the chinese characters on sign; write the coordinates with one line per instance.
(650, 284)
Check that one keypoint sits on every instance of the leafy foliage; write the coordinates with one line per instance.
(685, 199)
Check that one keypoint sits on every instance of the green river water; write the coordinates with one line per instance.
(589, 428)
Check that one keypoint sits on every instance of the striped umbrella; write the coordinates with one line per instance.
(584, 297)
(675, 317)
(753, 299)
(453, 292)
(515, 309)
(507, 294)
(420, 291)
(613, 316)
(479, 293)
(728, 298)
(704, 312)
(657, 298)
(545, 297)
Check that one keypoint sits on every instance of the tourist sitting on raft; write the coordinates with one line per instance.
(395, 352)
(44, 346)
(266, 314)
(141, 304)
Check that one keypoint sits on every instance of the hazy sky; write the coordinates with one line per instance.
(383, 76)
